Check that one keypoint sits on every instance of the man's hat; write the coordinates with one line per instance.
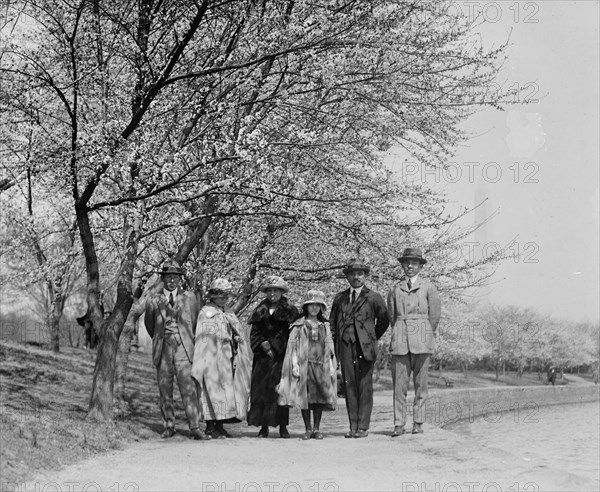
(274, 282)
(356, 264)
(170, 266)
(315, 297)
(412, 254)
(219, 287)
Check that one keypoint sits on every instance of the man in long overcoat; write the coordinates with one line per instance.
(170, 320)
(415, 309)
(358, 319)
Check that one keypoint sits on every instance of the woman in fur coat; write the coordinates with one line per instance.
(268, 340)
(309, 379)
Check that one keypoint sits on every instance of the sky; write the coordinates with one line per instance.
(537, 164)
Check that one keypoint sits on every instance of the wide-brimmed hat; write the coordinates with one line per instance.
(274, 282)
(170, 267)
(412, 254)
(219, 287)
(356, 264)
(314, 296)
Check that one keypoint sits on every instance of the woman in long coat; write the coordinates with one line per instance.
(268, 339)
(221, 362)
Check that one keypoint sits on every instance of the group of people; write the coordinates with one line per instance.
(297, 354)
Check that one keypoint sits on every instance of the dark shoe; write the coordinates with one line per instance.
(398, 431)
(198, 435)
(317, 435)
(224, 433)
(263, 432)
(168, 432)
(417, 429)
(283, 432)
(361, 433)
(307, 435)
(350, 434)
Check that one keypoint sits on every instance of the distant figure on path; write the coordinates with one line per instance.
(415, 309)
(221, 362)
(268, 339)
(170, 320)
(358, 319)
(308, 377)
(552, 376)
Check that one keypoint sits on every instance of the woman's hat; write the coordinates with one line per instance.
(274, 282)
(219, 287)
(315, 297)
(170, 266)
(356, 264)
(412, 254)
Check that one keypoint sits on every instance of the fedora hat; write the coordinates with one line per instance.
(412, 254)
(219, 287)
(314, 296)
(274, 282)
(356, 264)
(170, 267)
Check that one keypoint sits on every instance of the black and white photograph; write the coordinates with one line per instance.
(293, 245)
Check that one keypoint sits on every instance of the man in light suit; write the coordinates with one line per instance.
(170, 320)
(414, 307)
(358, 319)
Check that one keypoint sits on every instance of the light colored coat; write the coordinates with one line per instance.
(186, 309)
(293, 390)
(414, 315)
(223, 376)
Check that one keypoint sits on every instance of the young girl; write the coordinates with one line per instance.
(308, 377)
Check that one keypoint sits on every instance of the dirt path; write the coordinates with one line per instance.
(438, 460)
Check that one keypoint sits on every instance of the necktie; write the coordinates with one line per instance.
(353, 296)
(171, 300)
(409, 283)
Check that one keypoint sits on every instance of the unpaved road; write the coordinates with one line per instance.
(438, 460)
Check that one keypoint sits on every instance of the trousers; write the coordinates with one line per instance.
(403, 366)
(174, 363)
(357, 373)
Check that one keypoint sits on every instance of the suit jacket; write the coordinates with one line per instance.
(415, 315)
(368, 316)
(186, 309)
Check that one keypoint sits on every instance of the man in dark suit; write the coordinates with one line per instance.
(415, 309)
(358, 319)
(170, 319)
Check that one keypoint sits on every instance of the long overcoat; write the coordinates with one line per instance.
(221, 365)
(186, 310)
(266, 372)
(293, 390)
(415, 314)
(368, 316)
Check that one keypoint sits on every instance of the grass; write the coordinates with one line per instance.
(43, 406)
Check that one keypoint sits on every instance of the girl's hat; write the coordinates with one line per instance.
(219, 287)
(315, 297)
(274, 282)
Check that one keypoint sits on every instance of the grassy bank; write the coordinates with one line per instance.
(43, 405)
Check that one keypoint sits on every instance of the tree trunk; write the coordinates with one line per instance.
(137, 309)
(101, 399)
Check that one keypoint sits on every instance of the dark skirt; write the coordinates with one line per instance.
(264, 410)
